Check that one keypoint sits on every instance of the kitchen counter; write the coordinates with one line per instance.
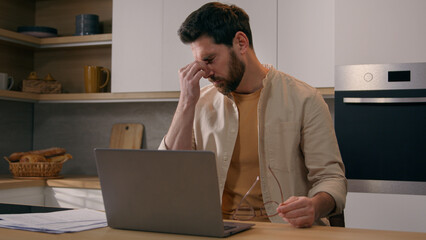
(86, 182)
(84, 192)
(7, 182)
(260, 231)
(68, 192)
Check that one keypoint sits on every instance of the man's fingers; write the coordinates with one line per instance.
(200, 74)
(295, 213)
(290, 200)
(301, 222)
(298, 211)
(184, 71)
(193, 71)
(291, 204)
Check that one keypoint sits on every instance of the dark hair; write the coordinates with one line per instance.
(216, 20)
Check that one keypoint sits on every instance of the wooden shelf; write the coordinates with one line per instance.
(326, 92)
(89, 97)
(55, 42)
(172, 96)
(108, 97)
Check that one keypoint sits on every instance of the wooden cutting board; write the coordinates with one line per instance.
(126, 136)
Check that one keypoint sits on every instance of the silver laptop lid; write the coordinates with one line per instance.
(161, 191)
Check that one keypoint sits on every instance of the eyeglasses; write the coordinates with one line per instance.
(245, 210)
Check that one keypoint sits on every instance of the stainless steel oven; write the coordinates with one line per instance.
(380, 121)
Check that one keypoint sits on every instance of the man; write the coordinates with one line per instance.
(259, 122)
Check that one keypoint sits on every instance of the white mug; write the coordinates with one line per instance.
(6, 82)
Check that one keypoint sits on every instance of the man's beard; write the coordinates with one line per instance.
(235, 73)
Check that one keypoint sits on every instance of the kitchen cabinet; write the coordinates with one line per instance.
(147, 52)
(21, 191)
(68, 192)
(380, 31)
(74, 192)
(136, 53)
(63, 57)
(306, 40)
(25, 195)
(384, 211)
(73, 198)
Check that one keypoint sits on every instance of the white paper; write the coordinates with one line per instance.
(55, 222)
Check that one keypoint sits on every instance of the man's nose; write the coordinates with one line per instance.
(209, 71)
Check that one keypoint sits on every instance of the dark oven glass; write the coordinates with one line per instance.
(382, 141)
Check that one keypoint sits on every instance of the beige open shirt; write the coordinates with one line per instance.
(296, 138)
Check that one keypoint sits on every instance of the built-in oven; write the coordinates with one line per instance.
(380, 121)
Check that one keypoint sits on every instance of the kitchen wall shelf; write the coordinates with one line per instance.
(89, 97)
(326, 92)
(107, 97)
(55, 42)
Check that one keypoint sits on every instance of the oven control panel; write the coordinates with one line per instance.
(380, 77)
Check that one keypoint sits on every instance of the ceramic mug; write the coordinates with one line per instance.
(6, 82)
(93, 78)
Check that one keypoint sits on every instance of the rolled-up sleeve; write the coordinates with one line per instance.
(326, 171)
(162, 145)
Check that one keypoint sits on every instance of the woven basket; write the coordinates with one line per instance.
(37, 170)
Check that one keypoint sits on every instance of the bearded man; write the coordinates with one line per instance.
(276, 151)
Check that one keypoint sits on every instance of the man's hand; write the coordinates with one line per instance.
(179, 136)
(190, 77)
(303, 211)
(298, 211)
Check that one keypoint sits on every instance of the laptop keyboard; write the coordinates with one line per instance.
(227, 227)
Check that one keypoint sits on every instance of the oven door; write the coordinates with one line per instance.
(382, 134)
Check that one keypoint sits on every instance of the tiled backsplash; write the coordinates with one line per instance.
(79, 128)
(16, 127)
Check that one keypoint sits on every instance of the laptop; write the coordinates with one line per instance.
(163, 191)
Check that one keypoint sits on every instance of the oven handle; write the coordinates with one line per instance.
(385, 100)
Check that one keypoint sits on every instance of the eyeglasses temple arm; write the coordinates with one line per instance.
(279, 185)
(248, 192)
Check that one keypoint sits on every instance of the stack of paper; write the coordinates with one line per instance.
(55, 222)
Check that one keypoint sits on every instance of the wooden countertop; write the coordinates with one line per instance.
(259, 231)
(7, 182)
(88, 182)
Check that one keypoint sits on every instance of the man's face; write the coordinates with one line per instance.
(223, 67)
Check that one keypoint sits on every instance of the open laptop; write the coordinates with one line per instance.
(163, 191)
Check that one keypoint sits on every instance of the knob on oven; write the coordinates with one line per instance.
(368, 77)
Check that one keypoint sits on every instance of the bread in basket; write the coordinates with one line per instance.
(45, 163)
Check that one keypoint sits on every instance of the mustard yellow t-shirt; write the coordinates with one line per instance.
(244, 167)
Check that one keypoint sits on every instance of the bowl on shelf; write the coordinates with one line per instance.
(38, 31)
